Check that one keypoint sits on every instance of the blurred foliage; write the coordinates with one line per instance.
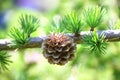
(4, 60)
(85, 66)
(5, 4)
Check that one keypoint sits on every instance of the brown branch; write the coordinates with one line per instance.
(5, 44)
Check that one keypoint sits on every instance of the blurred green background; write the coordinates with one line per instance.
(29, 64)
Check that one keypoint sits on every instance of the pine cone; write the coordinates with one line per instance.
(59, 49)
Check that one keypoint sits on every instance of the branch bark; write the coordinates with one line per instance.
(5, 44)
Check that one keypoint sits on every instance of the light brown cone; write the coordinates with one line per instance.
(59, 49)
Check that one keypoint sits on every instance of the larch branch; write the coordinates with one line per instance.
(5, 44)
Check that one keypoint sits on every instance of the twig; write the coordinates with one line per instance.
(5, 44)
